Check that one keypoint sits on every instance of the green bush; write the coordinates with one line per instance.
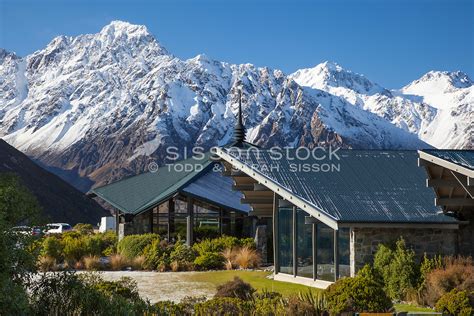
(456, 303)
(363, 293)
(247, 242)
(74, 248)
(157, 255)
(132, 246)
(398, 269)
(209, 261)
(52, 247)
(182, 254)
(269, 306)
(216, 245)
(220, 306)
(235, 288)
(64, 292)
(84, 229)
(168, 308)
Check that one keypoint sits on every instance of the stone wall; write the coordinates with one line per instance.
(364, 242)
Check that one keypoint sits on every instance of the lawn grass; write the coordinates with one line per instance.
(258, 280)
(410, 308)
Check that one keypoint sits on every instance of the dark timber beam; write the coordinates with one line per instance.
(295, 242)
(259, 200)
(243, 187)
(441, 183)
(190, 222)
(454, 202)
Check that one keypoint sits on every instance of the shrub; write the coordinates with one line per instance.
(118, 262)
(74, 248)
(133, 245)
(46, 263)
(315, 299)
(92, 263)
(363, 293)
(269, 307)
(84, 229)
(455, 303)
(220, 306)
(247, 242)
(209, 261)
(235, 288)
(397, 268)
(168, 308)
(157, 255)
(53, 248)
(64, 292)
(294, 306)
(182, 256)
(216, 245)
(457, 273)
(246, 257)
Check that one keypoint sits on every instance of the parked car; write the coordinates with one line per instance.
(57, 228)
(25, 230)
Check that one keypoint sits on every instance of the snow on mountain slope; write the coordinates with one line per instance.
(438, 107)
(103, 105)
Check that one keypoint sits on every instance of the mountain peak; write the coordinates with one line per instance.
(331, 74)
(118, 27)
(457, 79)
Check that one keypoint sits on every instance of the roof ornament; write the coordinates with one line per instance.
(239, 129)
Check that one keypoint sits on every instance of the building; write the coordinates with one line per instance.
(331, 210)
(185, 198)
(450, 173)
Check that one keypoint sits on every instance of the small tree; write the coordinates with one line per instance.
(398, 269)
(17, 205)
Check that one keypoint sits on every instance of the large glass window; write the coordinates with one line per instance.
(304, 246)
(325, 253)
(344, 253)
(285, 240)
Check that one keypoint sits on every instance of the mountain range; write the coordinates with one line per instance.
(98, 107)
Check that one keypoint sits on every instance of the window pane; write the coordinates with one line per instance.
(344, 252)
(304, 249)
(285, 240)
(325, 244)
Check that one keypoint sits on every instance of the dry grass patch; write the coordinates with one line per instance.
(246, 257)
(92, 263)
(118, 262)
(46, 263)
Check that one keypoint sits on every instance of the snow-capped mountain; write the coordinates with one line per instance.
(103, 105)
(438, 107)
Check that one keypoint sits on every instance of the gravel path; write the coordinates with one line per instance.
(162, 286)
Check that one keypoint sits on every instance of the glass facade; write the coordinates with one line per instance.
(304, 246)
(344, 253)
(285, 240)
(325, 253)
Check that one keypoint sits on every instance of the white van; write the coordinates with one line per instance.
(57, 228)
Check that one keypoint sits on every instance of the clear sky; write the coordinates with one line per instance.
(391, 42)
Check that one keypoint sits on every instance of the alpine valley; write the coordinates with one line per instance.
(98, 107)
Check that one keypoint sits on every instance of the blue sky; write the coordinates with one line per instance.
(391, 42)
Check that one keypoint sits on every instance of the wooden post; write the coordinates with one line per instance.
(190, 222)
(276, 262)
(336, 255)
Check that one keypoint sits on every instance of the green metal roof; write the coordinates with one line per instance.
(364, 186)
(138, 193)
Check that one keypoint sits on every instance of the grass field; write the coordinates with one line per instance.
(258, 280)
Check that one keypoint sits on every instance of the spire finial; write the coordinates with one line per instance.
(239, 130)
